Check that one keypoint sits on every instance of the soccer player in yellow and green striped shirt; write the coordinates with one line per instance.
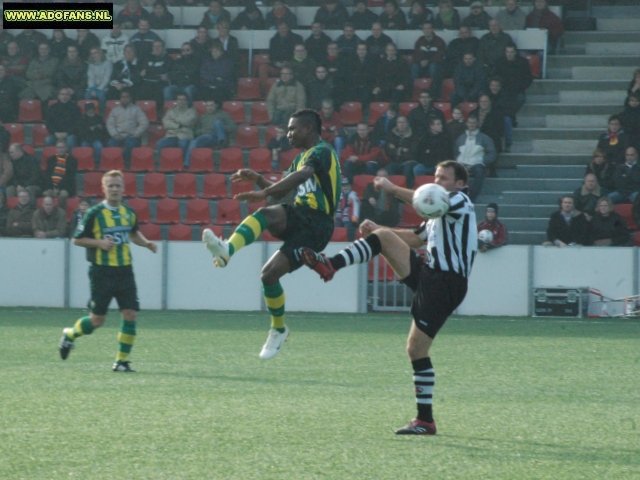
(106, 231)
(315, 176)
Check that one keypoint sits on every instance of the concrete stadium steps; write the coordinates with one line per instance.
(520, 224)
(555, 86)
(602, 96)
(591, 73)
(514, 159)
(580, 38)
(500, 185)
(544, 171)
(518, 211)
(608, 59)
(555, 133)
(618, 24)
(532, 197)
(533, 108)
(611, 48)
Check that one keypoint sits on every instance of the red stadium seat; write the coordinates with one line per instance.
(406, 107)
(168, 105)
(340, 235)
(198, 212)
(625, 211)
(409, 217)
(83, 103)
(260, 160)
(241, 187)
(142, 160)
(167, 211)
(29, 149)
(360, 182)
(154, 185)
(201, 160)
(287, 158)
(141, 207)
(259, 59)
(180, 233)
(248, 88)
(30, 111)
(420, 84)
(16, 130)
(151, 231)
(259, 114)
(247, 137)
(111, 159)
(149, 109)
(84, 156)
(228, 212)
(155, 134)
(376, 110)
(534, 65)
(171, 160)
(273, 177)
(215, 186)
(253, 207)
(12, 202)
(184, 186)
(110, 106)
(231, 160)
(447, 89)
(384, 270)
(399, 180)
(217, 229)
(467, 108)
(423, 180)
(200, 108)
(47, 152)
(269, 134)
(444, 107)
(73, 203)
(130, 185)
(235, 109)
(39, 134)
(351, 113)
(92, 185)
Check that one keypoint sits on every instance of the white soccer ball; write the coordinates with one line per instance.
(485, 236)
(431, 201)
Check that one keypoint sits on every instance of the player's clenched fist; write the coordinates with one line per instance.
(245, 175)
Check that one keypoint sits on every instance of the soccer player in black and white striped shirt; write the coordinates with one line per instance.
(439, 281)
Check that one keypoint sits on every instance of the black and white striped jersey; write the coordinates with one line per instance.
(452, 240)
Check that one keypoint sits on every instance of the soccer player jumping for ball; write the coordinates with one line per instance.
(315, 175)
(105, 232)
(439, 281)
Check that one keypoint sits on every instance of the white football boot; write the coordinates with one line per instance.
(275, 340)
(219, 248)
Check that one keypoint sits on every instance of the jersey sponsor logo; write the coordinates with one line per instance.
(310, 186)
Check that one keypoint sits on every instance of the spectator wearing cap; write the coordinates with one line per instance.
(543, 18)
(392, 17)
(495, 226)
(214, 15)
(377, 41)
(60, 175)
(362, 18)
(512, 17)
(361, 155)
(478, 19)
(280, 13)
(348, 210)
(131, 15)
(332, 15)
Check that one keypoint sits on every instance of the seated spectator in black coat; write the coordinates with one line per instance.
(603, 169)
(448, 17)
(355, 77)
(131, 15)
(384, 125)
(143, 40)
(456, 126)
(634, 86)
(63, 120)
(72, 74)
(515, 72)
(125, 74)
(567, 227)
(469, 79)
(362, 18)
(626, 179)
(280, 13)
(635, 211)
(400, 149)
(155, 75)
(630, 118)
(317, 43)
(85, 42)
(29, 41)
(277, 145)
(319, 89)
(348, 41)
(214, 15)
(478, 19)
(184, 75)
(78, 215)
(60, 175)
(26, 174)
(418, 15)
(421, 116)
(250, 18)
(492, 44)
(504, 104)
(9, 100)
(585, 198)
(392, 18)
(379, 206)
(59, 43)
(160, 18)
(428, 58)
(93, 131)
(361, 155)
(332, 15)
(491, 121)
(302, 65)
(433, 147)
(4, 214)
(229, 44)
(457, 48)
(378, 41)
(614, 142)
(201, 44)
(217, 76)
(607, 228)
(393, 81)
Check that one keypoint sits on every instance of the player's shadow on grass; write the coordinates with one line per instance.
(261, 380)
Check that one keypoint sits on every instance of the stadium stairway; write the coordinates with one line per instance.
(560, 124)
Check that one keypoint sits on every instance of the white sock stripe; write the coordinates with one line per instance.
(367, 249)
(429, 371)
(356, 248)
(348, 257)
(424, 401)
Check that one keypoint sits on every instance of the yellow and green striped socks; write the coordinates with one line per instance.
(126, 338)
(247, 232)
(83, 326)
(274, 298)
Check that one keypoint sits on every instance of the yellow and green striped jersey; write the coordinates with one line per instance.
(322, 191)
(104, 221)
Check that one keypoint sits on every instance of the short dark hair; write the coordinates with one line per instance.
(568, 195)
(511, 45)
(459, 170)
(433, 120)
(308, 116)
(614, 118)
(394, 107)
(496, 79)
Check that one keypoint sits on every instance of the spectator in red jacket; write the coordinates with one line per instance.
(332, 130)
(361, 155)
(543, 18)
(495, 226)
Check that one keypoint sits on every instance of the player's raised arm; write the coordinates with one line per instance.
(383, 183)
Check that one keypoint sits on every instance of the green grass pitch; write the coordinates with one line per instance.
(515, 398)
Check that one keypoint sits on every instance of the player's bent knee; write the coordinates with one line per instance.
(129, 315)
(97, 320)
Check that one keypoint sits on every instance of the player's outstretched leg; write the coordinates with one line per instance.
(423, 380)
(278, 334)
(246, 233)
(360, 251)
(126, 337)
(83, 326)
